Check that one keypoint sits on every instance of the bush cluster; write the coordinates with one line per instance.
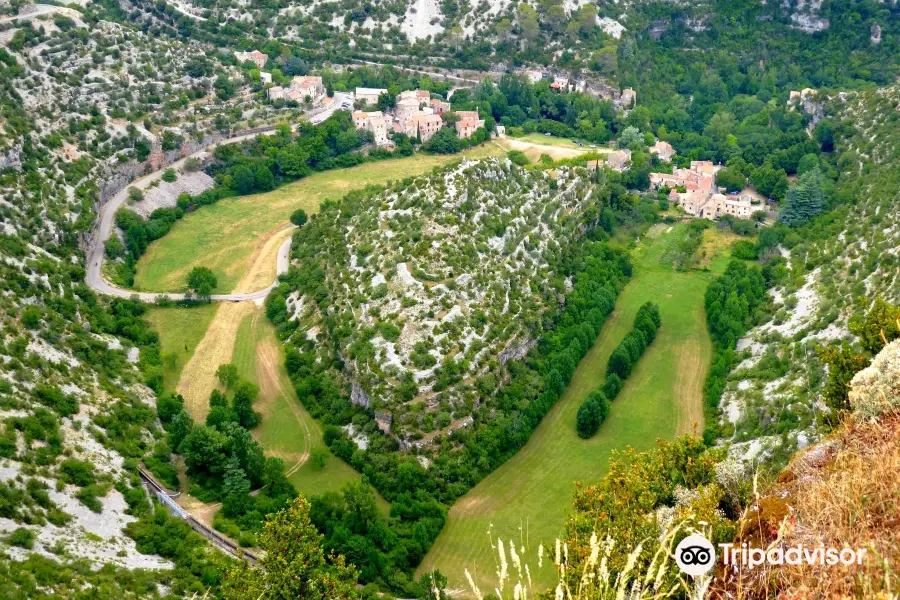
(626, 355)
(594, 409)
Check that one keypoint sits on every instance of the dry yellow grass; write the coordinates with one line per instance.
(198, 378)
(689, 375)
(843, 494)
(263, 261)
(533, 151)
(715, 242)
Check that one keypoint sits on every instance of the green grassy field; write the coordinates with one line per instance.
(548, 140)
(287, 430)
(180, 330)
(224, 236)
(527, 499)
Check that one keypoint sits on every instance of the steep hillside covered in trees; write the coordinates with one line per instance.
(833, 278)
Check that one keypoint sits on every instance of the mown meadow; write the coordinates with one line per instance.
(527, 498)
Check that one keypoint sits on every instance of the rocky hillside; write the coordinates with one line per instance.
(429, 288)
(78, 373)
(837, 269)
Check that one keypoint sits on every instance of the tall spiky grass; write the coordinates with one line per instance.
(595, 581)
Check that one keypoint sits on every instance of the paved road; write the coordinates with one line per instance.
(41, 9)
(96, 254)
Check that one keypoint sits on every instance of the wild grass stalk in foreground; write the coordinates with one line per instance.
(595, 581)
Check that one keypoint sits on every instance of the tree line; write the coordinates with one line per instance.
(733, 302)
(595, 408)
(502, 424)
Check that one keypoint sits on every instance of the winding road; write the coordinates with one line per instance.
(106, 223)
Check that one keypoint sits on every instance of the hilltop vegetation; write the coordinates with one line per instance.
(418, 312)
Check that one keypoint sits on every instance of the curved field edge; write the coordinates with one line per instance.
(287, 430)
(226, 235)
(527, 498)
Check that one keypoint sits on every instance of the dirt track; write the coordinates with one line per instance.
(198, 379)
(271, 389)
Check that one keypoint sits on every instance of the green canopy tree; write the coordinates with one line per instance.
(804, 200)
(294, 567)
(202, 280)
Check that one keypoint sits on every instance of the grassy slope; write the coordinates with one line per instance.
(533, 490)
(287, 430)
(180, 330)
(224, 236)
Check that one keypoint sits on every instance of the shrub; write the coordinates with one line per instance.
(591, 414)
(22, 538)
(78, 472)
(298, 217)
(518, 157)
(744, 250)
(31, 317)
(628, 352)
(612, 386)
(169, 175)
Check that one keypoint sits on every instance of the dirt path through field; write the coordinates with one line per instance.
(198, 379)
(272, 389)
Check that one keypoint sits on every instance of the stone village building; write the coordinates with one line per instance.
(701, 197)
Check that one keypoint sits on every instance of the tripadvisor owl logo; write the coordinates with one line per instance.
(695, 555)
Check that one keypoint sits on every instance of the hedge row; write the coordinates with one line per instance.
(594, 409)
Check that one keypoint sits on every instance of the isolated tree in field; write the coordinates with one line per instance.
(227, 375)
(294, 566)
(298, 217)
(318, 456)
(202, 280)
(242, 404)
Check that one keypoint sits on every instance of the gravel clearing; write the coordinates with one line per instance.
(165, 195)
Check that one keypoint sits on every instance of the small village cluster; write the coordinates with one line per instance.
(415, 114)
(701, 197)
(693, 188)
(418, 115)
